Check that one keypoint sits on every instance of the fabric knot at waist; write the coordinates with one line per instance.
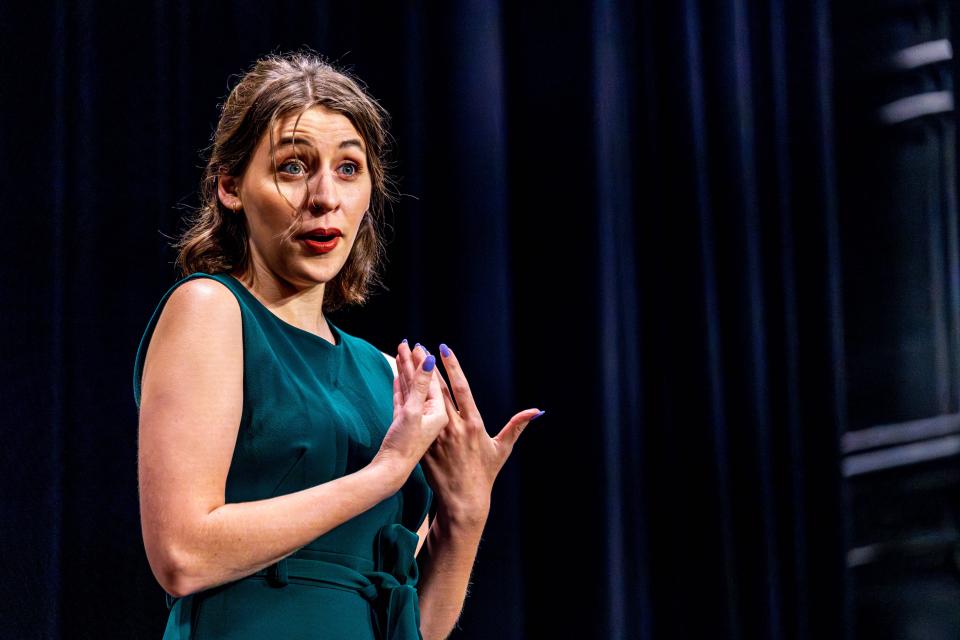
(388, 585)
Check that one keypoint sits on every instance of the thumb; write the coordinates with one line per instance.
(511, 431)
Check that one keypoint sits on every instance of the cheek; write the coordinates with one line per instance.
(290, 194)
(276, 195)
(363, 199)
(356, 243)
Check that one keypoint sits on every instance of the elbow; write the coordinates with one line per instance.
(176, 573)
(179, 564)
(177, 585)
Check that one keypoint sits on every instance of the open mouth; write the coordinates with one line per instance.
(320, 237)
(320, 240)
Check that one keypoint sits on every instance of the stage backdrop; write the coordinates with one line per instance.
(625, 213)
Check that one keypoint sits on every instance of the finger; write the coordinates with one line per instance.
(437, 383)
(397, 395)
(448, 403)
(421, 385)
(448, 400)
(515, 426)
(434, 393)
(418, 353)
(410, 359)
(458, 383)
(405, 370)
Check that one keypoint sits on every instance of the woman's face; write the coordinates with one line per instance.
(323, 179)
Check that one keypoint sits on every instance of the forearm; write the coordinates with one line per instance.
(446, 563)
(238, 539)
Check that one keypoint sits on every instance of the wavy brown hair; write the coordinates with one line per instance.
(278, 86)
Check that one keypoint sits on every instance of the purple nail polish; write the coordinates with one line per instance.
(405, 341)
(429, 363)
(537, 416)
(444, 350)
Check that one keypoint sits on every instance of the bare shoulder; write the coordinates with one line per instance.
(202, 298)
(198, 338)
(200, 309)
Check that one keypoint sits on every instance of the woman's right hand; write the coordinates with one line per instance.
(419, 416)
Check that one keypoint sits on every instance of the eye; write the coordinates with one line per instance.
(349, 169)
(292, 167)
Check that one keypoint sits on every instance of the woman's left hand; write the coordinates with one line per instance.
(463, 462)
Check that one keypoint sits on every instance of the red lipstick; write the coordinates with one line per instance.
(320, 240)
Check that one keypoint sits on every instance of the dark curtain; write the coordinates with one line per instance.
(624, 213)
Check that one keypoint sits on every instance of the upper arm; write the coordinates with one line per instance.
(192, 398)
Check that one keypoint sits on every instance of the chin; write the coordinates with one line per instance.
(319, 274)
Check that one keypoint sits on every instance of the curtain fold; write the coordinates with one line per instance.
(618, 314)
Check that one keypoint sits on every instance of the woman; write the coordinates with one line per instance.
(280, 483)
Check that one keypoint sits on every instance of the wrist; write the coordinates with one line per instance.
(390, 471)
(470, 514)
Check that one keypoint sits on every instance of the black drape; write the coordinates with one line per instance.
(625, 213)
(738, 283)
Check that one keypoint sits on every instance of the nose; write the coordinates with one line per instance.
(324, 194)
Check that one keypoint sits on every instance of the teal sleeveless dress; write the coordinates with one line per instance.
(312, 412)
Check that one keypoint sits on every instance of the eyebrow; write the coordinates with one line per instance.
(289, 141)
(352, 142)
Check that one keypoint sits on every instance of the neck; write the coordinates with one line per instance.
(297, 305)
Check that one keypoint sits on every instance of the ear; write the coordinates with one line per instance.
(228, 190)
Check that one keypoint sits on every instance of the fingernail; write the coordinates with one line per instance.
(444, 350)
(416, 345)
(537, 416)
(429, 363)
(405, 341)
